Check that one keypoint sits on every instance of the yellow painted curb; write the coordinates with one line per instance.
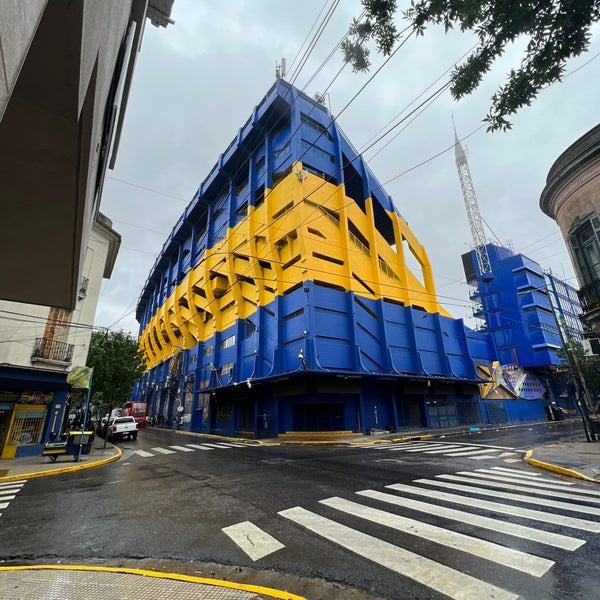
(556, 468)
(257, 589)
(410, 438)
(77, 467)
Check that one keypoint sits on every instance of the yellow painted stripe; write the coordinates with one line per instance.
(306, 230)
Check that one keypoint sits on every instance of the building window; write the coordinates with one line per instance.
(586, 249)
(228, 342)
(227, 369)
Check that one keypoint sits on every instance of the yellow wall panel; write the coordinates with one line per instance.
(274, 248)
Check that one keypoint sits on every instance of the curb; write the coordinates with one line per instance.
(257, 589)
(562, 470)
(78, 467)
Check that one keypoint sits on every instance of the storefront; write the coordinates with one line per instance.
(32, 409)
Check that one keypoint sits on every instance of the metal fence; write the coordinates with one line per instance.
(27, 426)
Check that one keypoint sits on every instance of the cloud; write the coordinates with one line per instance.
(198, 81)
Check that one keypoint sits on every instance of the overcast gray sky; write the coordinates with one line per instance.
(197, 82)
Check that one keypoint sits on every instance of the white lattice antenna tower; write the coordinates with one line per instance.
(473, 214)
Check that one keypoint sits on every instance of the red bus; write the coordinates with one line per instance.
(136, 410)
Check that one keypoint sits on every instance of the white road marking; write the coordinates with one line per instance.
(13, 483)
(232, 444)
(470, 452)
(163, 451)
(215, 445)
(438, 451)
(4, 504)
(143, 453)
(10, 490)
(255, 542)
(557, 484)
(527, 499)
(488, 480)
(448, 581)
(199, 447)
(426, 447)
(5, 498)
(522, 531)
(528, 474)
(182, 448)
(398, 446)
(514, 559)
(484, 457)
(498, 507)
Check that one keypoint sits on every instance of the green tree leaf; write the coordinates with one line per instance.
(557, 30)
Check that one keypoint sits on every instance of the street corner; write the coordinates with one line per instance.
(39, 466)
(78, 581)
(562, 464)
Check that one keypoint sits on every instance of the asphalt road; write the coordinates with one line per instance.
(467, 518)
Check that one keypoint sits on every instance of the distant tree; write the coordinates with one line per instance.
(117, 362)
(588, 366)
(557, 30)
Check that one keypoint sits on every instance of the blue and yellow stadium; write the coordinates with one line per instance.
(283, 301)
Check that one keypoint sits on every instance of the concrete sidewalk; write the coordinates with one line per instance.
(74, 582)
(580, 459)
(40, 466)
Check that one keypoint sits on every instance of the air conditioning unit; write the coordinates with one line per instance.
(591, 346)
(83, 287)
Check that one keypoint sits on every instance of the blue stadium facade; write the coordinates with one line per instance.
(282, 302)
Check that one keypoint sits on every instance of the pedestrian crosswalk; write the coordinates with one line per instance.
(460, 450)
(518, 521)
(159, 450)
(8, 491)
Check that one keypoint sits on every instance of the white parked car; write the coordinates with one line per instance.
(120, 428)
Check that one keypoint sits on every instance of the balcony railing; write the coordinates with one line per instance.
(49, 349)
(589, 296)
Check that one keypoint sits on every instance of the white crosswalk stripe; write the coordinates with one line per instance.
(426, 447)
(520, 561)
(529, 533)
(452, 449)
(143, 453)
(9, 491)
(527, 499)
(187, 448)
(163, 450)
(470, 452)
(499, 507)
(459, 525)
(490, 474)
(182, 448)
(472, 478)
(429, 573)
(529, 476)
